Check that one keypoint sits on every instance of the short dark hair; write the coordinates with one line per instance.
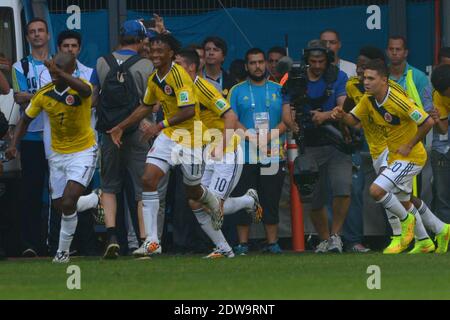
(36, 20)
(444, 52)
(68, 34)
(332, 31)
(218, 42)
(129, 40)
(379, 66)
(237, 69)
(168, 39)
(441, 78)
(372, 53)
(399, 37)
(279, 50)
(254, 51)
(195, 46)
(191, 56)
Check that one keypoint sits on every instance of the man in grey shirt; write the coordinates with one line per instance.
(131, 157)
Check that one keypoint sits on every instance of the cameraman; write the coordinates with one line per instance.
(325, 90)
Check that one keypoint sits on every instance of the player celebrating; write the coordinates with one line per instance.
(379, 152)
(391, 114)
(220, 175)
(172, 87)
(67, 101)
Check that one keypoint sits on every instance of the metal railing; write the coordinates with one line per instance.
(60, 6)
(189, 7)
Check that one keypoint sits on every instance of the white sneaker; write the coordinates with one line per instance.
(61, 257)
(257, 211)
(141, 251)
(152, 248)
(322, 247)
(335, 244)
(219, 253)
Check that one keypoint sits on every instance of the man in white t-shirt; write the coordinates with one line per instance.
(331, 37)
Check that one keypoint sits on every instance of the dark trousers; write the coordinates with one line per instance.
(441, 185)
(34, 170)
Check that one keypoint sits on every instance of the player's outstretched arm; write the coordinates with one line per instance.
(140, 113)
(338, 113)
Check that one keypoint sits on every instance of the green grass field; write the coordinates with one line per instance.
(288, 276)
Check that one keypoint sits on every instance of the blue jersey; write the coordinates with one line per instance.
(248, 99)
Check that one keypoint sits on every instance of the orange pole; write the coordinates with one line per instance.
(297, 226)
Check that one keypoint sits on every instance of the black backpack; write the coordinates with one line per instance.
(119, 96)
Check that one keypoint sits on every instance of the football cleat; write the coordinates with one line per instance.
(395, 246)
(423, 246)
(442, 239)
(407, 230)
(219, 253)
(152, 248)
(61, 257)
(257, 211)
(99, 214)
(141, 251)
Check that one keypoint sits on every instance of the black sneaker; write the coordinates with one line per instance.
(112, 249)
(29, 253)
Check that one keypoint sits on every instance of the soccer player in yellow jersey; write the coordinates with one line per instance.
(171, 86)
(222, 172)
(377, 140)
(405, 125)
(67, 101)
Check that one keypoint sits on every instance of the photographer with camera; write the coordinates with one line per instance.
(314, 88)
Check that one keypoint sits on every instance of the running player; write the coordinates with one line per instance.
(177, 142)
(379, 152)
(223, 169)
(67, 101)
(385, 112)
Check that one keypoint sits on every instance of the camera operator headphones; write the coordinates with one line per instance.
(318, 45)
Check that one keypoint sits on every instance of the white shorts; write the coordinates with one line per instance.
(381, 161)
(398, 178)
(221, 177)
(166, 153)
(78, 167)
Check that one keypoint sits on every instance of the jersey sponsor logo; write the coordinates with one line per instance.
(221, 104)
(388, 117)
(70, 100)
(168, 90)
(184, 96)
(416, 116)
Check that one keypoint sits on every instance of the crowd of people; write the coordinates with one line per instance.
(169, 130)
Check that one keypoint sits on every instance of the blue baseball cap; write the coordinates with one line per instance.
(133, 28)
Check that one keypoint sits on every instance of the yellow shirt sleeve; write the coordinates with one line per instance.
(442, 104)
(360, 110)
(415, 113)
(185, 96)
(35, 107)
